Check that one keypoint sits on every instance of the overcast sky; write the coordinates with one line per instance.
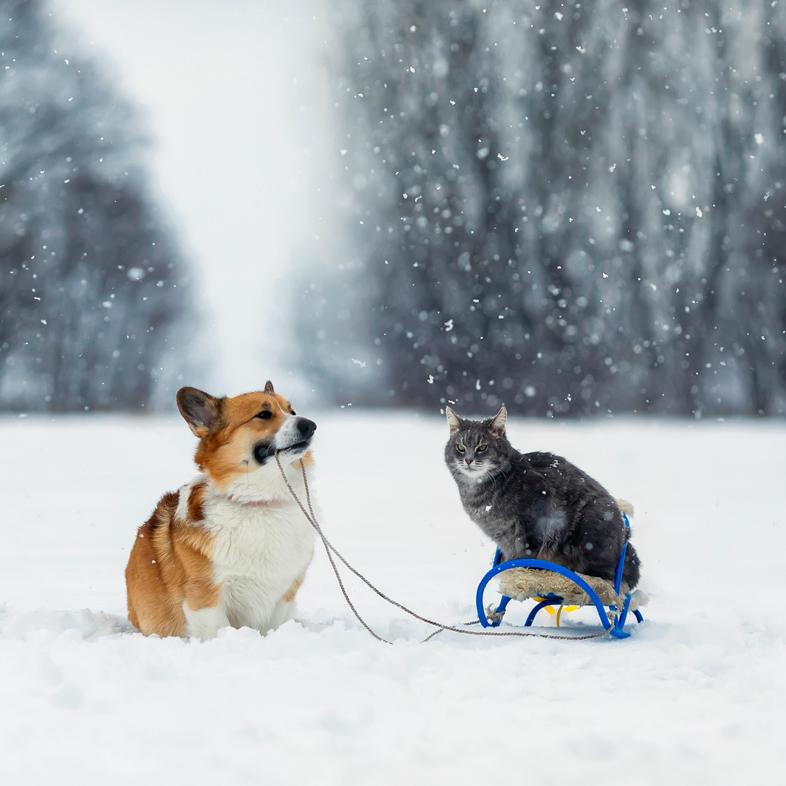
(232, 93)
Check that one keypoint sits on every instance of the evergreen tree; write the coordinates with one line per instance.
(92, 289)
(571, 207)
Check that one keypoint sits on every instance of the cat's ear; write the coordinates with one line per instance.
(497, 424)
(454, 421)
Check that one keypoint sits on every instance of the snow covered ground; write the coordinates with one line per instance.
(695, 696)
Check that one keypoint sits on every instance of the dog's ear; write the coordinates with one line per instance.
(454, 421)
(269, 387)
(199, 409)
(497, 423)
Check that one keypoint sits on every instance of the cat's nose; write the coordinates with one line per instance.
(468, 461)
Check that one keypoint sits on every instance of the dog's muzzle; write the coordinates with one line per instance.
(299, 437)
(293, 438)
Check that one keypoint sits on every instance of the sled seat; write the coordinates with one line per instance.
(527, 583)
(550, 584)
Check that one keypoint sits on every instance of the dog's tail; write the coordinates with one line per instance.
(625, 507)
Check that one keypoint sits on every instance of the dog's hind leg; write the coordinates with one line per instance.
(205, 623)
(285, 607)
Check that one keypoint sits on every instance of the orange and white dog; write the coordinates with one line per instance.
(231, 547)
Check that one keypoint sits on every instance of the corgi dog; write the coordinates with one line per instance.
(231, 547)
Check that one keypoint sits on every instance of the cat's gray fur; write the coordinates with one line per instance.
(536, 504)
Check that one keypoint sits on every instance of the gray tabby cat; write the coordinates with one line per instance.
(536, 504)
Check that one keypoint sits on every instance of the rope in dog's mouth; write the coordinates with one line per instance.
(333, 553)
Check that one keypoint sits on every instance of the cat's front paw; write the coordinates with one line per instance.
(492, 615)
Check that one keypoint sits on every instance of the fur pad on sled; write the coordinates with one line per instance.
(524, 583)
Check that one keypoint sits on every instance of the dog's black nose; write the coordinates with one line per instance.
(306, 427)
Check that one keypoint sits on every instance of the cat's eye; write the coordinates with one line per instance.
(265, 414)
(482, 448)
(460, 449)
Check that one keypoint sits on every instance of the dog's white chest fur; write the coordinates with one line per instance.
(259, 551)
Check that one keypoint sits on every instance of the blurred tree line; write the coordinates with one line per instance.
(92, 288)
(572, 207)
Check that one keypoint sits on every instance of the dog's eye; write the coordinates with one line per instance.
(264, 415)
(292, 412)
(482, 448)
(460, 449)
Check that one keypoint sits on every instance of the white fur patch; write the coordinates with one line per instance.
(184, 492)
(262, 545)
(265, 482)
(204, 623)
(288, 433)
(258, 553)
(476, 474)
(260, 548)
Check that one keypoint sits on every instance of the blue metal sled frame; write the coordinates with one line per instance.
(616, 628)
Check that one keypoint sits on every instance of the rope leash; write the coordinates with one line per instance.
(331, 550)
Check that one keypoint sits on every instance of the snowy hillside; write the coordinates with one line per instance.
(696, 695)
